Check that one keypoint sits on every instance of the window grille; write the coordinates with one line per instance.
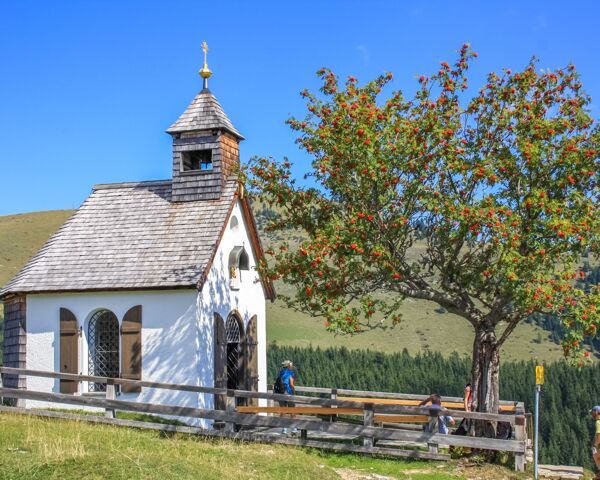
(103, 347)
(232, 330)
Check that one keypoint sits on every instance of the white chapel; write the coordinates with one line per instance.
(151, 280)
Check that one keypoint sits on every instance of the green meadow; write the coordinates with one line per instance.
(423, 328)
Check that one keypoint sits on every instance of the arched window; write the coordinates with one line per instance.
(232, 328)
(103, 347)
(238, 261)
(234, 334)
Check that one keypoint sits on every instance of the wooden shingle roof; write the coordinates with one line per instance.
(204, 113)
(129, 236)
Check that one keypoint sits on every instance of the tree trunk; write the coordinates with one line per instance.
(485, 377)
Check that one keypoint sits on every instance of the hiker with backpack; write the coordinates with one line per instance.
(284, 384)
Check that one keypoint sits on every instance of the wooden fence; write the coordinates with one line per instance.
(406, 399)
(368, 421)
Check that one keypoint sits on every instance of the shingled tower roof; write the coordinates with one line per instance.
(204, 113)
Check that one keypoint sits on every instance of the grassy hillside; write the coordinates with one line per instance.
(422, 329)
(35, 448)
(21, 236)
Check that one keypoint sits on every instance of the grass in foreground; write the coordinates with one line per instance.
(38, 448)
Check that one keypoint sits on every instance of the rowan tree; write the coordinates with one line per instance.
(483, 203)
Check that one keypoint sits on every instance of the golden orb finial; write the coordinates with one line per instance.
(205, 72)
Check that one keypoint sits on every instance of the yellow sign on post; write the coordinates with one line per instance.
(539, 374)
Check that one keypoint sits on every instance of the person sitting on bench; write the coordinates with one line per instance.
(441, 420)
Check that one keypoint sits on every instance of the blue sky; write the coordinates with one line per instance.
(88, 88)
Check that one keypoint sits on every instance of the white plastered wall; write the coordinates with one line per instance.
(248, 300)
(171, 339)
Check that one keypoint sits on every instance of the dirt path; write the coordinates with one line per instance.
(463, 471)
(349, 474)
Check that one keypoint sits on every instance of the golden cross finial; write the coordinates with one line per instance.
(205, 72)
(205, 49)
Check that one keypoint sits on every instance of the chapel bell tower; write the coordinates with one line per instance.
(205, 146)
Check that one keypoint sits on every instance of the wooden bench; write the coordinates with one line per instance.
(413, 403)
(383, 418)
(302, 410)
(401, 418)
(379, 418)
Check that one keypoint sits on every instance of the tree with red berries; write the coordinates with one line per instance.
(483, 204)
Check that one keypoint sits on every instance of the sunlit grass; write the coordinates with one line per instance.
(421, 329)
(39, 448)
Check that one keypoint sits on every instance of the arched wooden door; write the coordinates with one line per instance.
(251, 358)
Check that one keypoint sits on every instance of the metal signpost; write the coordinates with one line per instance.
(539, 381)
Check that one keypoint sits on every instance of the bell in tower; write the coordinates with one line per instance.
(205, 146)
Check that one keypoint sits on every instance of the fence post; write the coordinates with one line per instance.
(110, 395)
(270, 401)
(368, 422)
(333, 395)
(433, 428)
(521, 436)
(230, 408)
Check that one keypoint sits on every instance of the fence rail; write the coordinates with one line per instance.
(234, 418)
(299, 399)
(344, 392)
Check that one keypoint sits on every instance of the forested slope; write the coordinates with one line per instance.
(568, 394)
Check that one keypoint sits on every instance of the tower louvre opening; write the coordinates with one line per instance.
(198, 160)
